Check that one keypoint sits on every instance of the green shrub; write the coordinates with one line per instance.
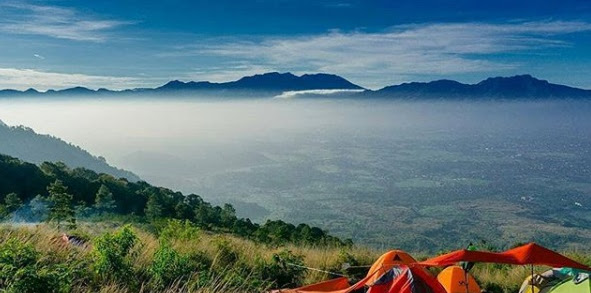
(113, 255)
(182, 230)
(353, 270)
(226, 255)
(169, 265)
(22, 271)
(285, 269)
(493, 288)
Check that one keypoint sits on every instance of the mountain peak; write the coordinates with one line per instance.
(522, 86)
(523, 78)
(173, 84)
(269, 82)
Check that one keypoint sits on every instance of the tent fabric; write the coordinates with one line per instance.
(573, 286)
(399, 279)
(339, 285)
(454, 279)
(387, 261)
(543, 282)
(404, 279)
(530, 253)
(327, 286)
(468, 256)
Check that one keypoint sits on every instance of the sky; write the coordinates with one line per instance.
(120, 44)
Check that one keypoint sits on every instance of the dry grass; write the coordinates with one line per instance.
(47, 241)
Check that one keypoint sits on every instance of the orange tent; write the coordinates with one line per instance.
(387, 261)
(381, 267)
(527, 254)
(454, 279)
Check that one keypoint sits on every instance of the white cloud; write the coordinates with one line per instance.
(293, 94)
(22, 79)
(57, 22)
(38, 56)
(398, 53)
(226, 73)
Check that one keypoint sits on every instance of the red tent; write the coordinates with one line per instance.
(398, 279)
(405, 279)
(531, 254)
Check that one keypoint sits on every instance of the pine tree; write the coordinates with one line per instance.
(154, 207)
(61, 207)
(104, 202)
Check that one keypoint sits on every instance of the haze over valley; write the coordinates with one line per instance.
(420, 175)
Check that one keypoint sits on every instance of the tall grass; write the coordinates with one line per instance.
(233, 264)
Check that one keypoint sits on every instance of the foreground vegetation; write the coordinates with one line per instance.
(133, 237)
(179, 257)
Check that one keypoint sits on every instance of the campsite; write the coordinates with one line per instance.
(398, 272)
(181, 257)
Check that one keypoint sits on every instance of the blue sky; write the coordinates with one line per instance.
(131, 43)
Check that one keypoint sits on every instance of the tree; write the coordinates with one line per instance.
(154, 207)
(61, 207)
(104, 201)
(228, 215)
(12, 202)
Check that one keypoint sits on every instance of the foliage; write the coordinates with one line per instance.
(22, 270)
(104, 202)
(113, 255)
(177, 229)
(284, 270)
(168, 266)
(61, 208)
(139, 200)
(12, 202)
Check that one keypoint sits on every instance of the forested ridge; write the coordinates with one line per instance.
(33, 193)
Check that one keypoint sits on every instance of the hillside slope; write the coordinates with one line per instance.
(27, 145)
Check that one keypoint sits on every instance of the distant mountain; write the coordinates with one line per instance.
(261, 85)
(273, 84)
(267, 84)
(25, 144)
(514, 87)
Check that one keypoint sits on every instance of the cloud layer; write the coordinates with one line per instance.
(52, 21)
(22, 79)
(400, 53)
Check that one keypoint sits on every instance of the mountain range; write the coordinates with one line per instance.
(273, 84)
(27, 145)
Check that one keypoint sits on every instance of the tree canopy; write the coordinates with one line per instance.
(61, 188)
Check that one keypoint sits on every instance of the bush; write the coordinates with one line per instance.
(113, 255)
(285, 269)
(22, 271)
(169, 265)
(177, 229)
(226, 255)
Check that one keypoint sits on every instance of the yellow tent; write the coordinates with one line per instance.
(454, 279)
